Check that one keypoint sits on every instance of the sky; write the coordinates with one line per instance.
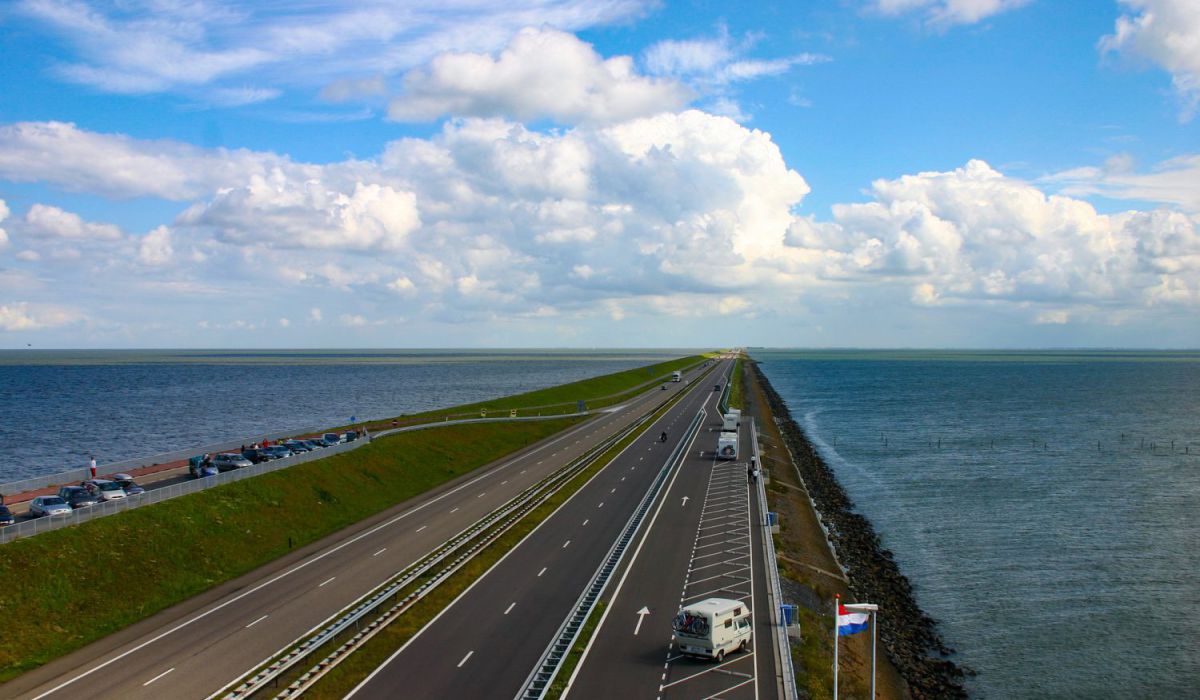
(600, 173)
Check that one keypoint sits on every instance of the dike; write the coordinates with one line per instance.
(906, 633)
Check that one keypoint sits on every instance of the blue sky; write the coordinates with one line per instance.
(967, 173)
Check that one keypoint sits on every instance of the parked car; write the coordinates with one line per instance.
(350, 436)
(48, 505)
(331, 439)
(297, 446)
(313, 443)
(77, 496)
(256, 455)
(201, 466)
(103, 489)
(6, 517)
(228, 461)
(278, 451)
(131, 487)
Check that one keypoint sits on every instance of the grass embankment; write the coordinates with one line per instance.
(735, 386)
(66, 588)
(811, 575)
(344, 677)
(597, 392)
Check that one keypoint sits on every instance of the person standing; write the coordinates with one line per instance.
(92, 466)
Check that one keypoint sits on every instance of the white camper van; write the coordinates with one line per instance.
(727, 445)
(676, 376)
(731, 422)
(737, 414)
(713, 627)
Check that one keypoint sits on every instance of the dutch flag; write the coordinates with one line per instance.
(851, 622)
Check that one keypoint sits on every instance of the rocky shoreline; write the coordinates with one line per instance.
(906, 633)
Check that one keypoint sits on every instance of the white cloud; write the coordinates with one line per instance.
(284, 323)
(542, 73)
(314, 314)
(209, 51)
(1172, 181)
(25, 316)
(1165, 32)
(46, 221)
(3, 215)
(941, 14)
(155, 247)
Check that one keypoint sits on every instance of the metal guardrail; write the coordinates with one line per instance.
(783, 648)
(548, 666)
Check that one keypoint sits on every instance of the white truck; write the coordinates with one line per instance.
(676, 376)
(727, 445)
(713, 627)
(730, 421)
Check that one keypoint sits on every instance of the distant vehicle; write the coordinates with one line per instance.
(350, 436)
(6, 517)
(77, 496)
(277, 451)
(676, 376)
(713, 627)
(729, 421)
(103, 489)
(48, 505)
(737, 414)
(228, 461)
(331, 439)
(297, 446)
(127, 483)
(256, 455)
(727, 445)
(313, 443)
(664, 387)
(716, 387)
(200, 467)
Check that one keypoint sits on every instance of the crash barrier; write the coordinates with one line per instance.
(28, 528)
(73, 476)
(783, 647)
(539, 680)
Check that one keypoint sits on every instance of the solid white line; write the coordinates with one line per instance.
(542, 571)
(379, 552)
(460, 663)
(331, 578)
(422, 528)
(256, 622)
(158, 676)
(509, 608)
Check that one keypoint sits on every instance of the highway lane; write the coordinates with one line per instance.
(705, 542)
(486, 642)
(198, 647)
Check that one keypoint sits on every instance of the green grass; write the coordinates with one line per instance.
(66, 588)
(575, 654)
(735, 385)
(344, 677)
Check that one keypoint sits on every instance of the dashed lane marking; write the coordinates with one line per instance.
(379, 552)
(464, 659)
(509, 608)
(327, 581)
(256, 622)
(158, 676)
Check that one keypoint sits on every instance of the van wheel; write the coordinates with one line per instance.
(720, 655)
(744, 646)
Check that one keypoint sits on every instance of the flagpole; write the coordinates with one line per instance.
(874, 625)
(836, 609)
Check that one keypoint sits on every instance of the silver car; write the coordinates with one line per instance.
(48, 505)
(227, 461)
(103, 489)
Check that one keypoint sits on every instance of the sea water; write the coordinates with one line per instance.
(1045, 505)
(60, 407)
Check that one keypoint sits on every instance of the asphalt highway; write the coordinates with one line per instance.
(198, 647)
(705, 542)
(486, 643)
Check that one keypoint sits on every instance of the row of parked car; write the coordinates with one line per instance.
(88, 493)
(211, 465)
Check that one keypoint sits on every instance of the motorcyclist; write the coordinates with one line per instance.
(663, 437)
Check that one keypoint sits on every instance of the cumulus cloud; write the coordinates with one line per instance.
(3, 215)
(155, 248)
(211, 51)
(942, 14)
(25, 316)
(1167, 33)
(46, 221)
(542, 73)
(1172, 181)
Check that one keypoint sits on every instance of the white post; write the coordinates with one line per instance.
(836, 604)
(874, 622)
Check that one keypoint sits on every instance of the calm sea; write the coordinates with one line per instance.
(59, 407)
(1045, 505)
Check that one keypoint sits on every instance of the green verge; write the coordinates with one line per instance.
(345, 676)
(575, 653)
(597, 392)
(735, 385)
(66, 588)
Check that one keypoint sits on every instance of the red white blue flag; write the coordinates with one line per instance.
(851, 622)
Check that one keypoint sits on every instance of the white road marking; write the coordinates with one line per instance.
(256, 622)
(504, 482)
(509, 608)
(585, 522)
(327, 581)
(601, 504)
(422, 528)
(158, 676)
(641, 616)
(455, 509)
(482, 495)
(460, 663)
(379, 552)
(566, 543)
(542, 571)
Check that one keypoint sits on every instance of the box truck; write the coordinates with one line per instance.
(731, 422)
(713, 627)
(727, 445)
(676, 376)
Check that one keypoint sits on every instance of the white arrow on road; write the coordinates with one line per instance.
(685, 500)
(641, 616)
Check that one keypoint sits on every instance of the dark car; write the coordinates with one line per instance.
(313, 444)
(126, 481)
(77, 496)
(350, 436)
(716, 387)
(201, 466)
(6, 516)
(277, 451)
(297, 446)
(331, 439)
(256, 455)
